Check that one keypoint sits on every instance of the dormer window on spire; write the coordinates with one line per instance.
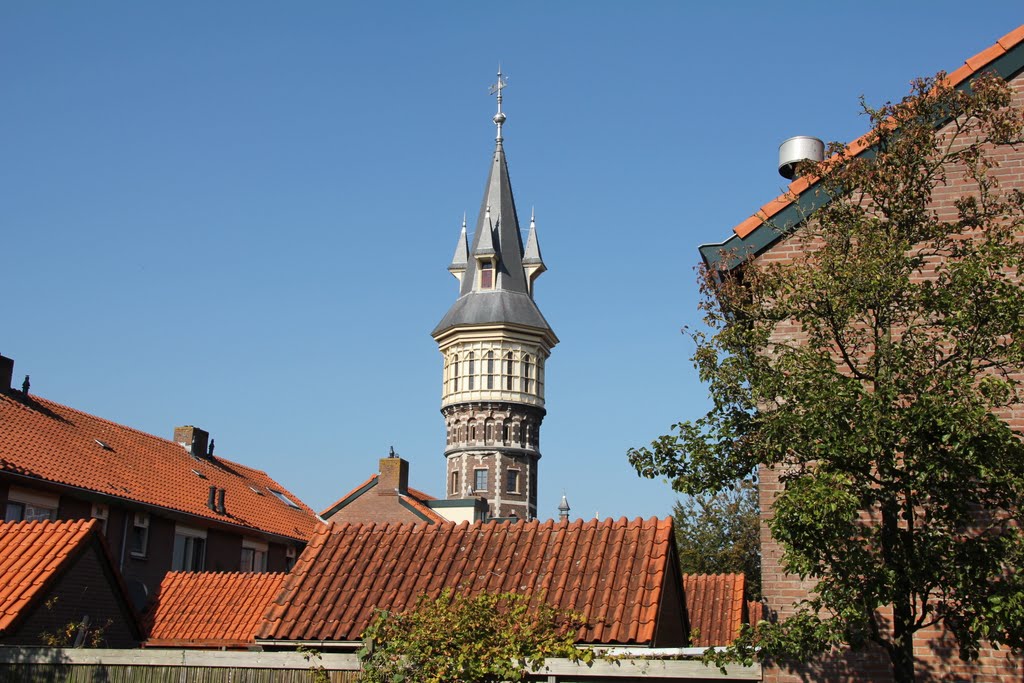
(487, 274)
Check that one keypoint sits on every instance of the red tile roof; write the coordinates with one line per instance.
(714, 606)
(970, 67)
(32, 555)
(612, 572)
(417, 500)
(209, 609)
(47, 441)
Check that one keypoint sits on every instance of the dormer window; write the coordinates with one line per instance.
(487, 275)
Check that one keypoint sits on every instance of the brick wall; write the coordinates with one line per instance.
(936, 652)
(85, 589)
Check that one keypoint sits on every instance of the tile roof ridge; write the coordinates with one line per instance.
(971, 66)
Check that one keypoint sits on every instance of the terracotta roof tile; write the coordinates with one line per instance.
(210, 609)
(610, 571)
(31, 555)
(970, 67)
(714, 606)
(51, 442)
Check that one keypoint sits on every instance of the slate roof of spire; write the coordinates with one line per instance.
(621, 575)
(510, 300)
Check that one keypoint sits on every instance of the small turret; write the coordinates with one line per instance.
(533, 264)
(461, 257)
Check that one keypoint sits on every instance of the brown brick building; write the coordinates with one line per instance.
(760, 237)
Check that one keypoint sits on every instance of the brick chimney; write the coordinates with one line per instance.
(394, 476)
(195, 440)
(6, 372)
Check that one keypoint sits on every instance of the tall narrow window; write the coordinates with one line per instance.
(508, 371)
(490, 369)
(486, 276)
(512, 481)
(470, 371)
(140, 534)
(455, 373)
(526, 385)
(455, 483)
(189, 549)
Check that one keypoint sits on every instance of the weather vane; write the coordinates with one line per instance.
(496, 89)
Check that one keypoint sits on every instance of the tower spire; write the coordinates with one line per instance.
(499, 118)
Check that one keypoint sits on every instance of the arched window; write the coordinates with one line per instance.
(508, 371)
(455, 373)
(488, 431)
(505, 432)
(472, 430)
(471, 371)
(526, 382)
(490, 369)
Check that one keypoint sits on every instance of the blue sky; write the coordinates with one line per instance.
(238, 215)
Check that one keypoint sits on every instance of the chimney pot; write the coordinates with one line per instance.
(220, 501)
(211, 501)
(394, 476)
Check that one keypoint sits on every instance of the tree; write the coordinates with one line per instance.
(719, 533)
(486, 638)
(871, 373)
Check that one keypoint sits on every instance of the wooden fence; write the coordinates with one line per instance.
(53, 665)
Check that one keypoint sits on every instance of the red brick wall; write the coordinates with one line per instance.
(371, 507)
(937, 656)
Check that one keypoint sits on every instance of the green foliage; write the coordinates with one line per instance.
(485, 638)
(869, 374)
(74, 633)
(719, 533)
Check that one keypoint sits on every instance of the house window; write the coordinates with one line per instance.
(290, 554)
(24, 505)
(486, 276)
(512, 481)
(455, 373)
(101, 512)
(490, 369)
(526, 382)
(508, 371)
(455, 483)
(140, 534)
(479, 480)
(254, 556)
(471, 372)
(189, 549)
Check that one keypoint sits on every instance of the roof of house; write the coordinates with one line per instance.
(612, 572)
(44, 441)
(32, 557)
(769, 223)
(209, 609)
(412, 500)
(715, 607)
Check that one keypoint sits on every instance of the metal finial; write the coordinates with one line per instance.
(463, 220)
(496, 89)
(533, 216)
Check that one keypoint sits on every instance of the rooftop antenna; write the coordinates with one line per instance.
(496, 89)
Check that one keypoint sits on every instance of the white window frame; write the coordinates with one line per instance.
(259, 550)
(519, 480)
(189, 534)
(101, 511)
(476, 479)
(140, 520)
(32, 503)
